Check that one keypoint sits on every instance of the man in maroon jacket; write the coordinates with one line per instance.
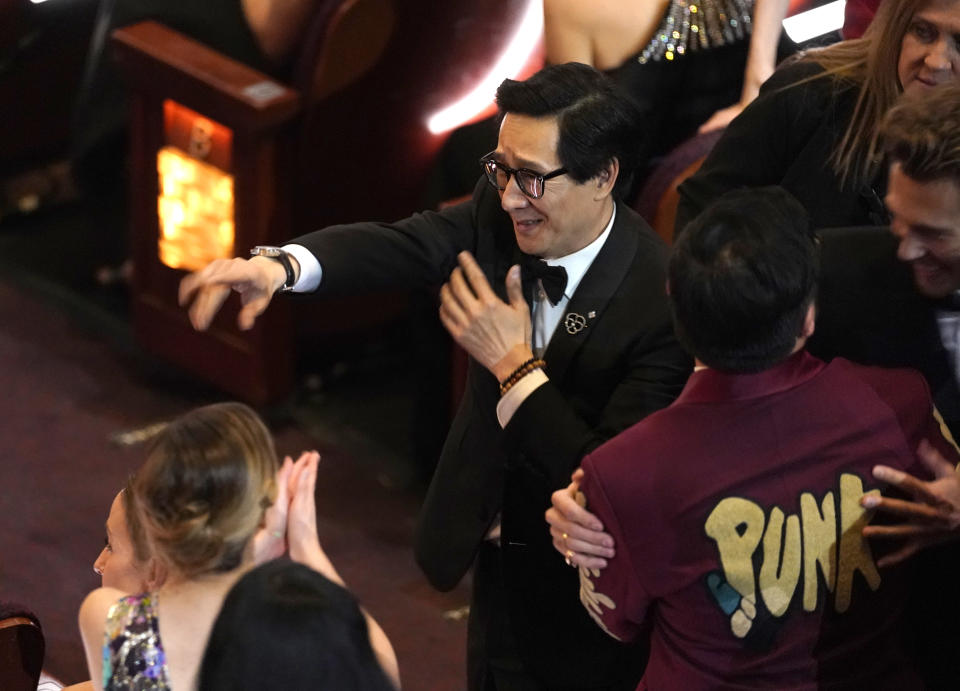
(737, 510)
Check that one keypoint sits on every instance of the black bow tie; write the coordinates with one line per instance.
(553, 278)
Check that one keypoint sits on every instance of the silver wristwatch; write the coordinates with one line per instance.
(282, 257)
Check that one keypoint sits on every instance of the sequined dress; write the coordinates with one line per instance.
(697, 25)
(133, 656)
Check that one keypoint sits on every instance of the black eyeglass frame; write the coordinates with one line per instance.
(490, 166)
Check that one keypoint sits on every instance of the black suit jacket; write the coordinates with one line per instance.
(624, 364)
(869, 311)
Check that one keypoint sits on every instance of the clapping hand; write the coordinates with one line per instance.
(270, 541)
(302, 521)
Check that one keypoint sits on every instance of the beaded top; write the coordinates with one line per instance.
(698, 24)
(133, 657)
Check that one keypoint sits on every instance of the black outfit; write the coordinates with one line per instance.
(623, 365)
(677, 96)
(869, 311)
(786, 137)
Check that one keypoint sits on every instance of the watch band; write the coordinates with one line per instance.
(284, 259)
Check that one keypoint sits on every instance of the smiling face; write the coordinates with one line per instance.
(569, 215)
(117, 565)
(930, 50)
(926, 221)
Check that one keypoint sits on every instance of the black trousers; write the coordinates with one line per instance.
(493, 660)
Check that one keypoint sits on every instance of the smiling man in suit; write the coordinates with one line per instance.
(556, 290)
(891, 299)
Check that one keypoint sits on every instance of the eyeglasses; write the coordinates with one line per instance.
(529, 181)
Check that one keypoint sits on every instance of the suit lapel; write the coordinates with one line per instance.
(597, 287)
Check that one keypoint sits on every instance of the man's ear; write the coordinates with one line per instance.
(607, 178)
(810, 321)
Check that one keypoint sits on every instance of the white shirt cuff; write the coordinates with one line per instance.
(310, 270)
(518, 393)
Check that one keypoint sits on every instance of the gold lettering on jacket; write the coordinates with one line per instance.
(823, 545)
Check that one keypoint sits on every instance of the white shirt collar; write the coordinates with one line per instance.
(576, 264)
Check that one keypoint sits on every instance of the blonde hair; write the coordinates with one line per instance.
(203, 490)
(871, 63)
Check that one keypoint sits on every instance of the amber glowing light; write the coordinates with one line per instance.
(195, 204)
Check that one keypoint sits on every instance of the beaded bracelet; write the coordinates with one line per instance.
(519, 373)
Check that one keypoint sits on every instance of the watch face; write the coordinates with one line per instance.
(266, 251)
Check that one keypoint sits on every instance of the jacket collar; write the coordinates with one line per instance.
(710, 385)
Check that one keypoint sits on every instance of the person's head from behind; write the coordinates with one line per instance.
(742, 280)
(568, 144)
(201, 495)
(285, 626)
(921, 137)
(124, 562)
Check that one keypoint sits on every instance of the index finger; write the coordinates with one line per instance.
(298, 468)
(908, 509)
(194, 281)
(307, 481)
(220, 272)
(474, 275)
(207, 289)
(918, 488)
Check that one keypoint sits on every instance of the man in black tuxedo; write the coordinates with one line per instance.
(871, 311)
(565, 353)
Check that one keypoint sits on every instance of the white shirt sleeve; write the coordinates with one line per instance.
(310, 270)
(511, 401)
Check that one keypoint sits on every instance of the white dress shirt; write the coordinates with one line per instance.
(949, 324)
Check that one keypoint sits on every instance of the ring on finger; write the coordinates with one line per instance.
(567, 558)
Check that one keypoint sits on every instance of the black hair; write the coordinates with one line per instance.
(597, 121)
(285, 626)
(741, 278)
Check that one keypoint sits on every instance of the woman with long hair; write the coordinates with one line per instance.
(814, 127)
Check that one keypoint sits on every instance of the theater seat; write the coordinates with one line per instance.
(658, 198)
(345, 138)
(21, 648)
